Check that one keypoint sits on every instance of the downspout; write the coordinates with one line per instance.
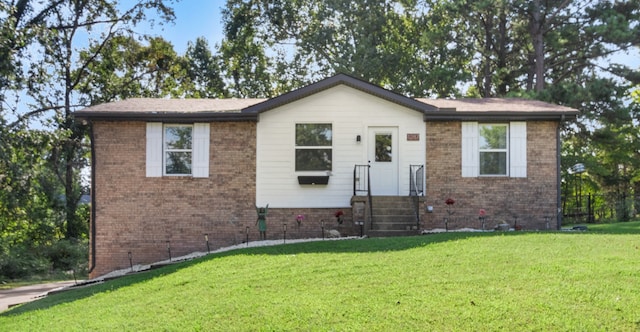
(559, 175)
(92, 235)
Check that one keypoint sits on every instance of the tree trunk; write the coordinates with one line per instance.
(72, 229)
(71, 203)
(488, 25)
(537, 36)
(501, 51)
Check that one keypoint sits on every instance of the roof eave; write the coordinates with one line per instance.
(500, 116)
(167, 116)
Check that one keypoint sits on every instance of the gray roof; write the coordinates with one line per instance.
(494, 105)
(174, 105)
(176, 110)
(190, 110)
(496, 109)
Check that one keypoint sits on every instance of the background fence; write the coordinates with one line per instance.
(591, 208)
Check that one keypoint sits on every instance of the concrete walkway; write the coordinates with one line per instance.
(19, 295)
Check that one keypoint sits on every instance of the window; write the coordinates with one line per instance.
(313, 147)
(383, 148)
(494, 149)
(177, 149)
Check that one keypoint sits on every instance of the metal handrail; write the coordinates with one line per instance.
(360, 171)
(416, 183)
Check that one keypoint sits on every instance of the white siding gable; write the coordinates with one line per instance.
(350, 112)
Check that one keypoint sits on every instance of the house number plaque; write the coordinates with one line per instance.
(413, 137)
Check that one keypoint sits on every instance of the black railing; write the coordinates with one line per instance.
(416, 176)
(362, 185)
(361, 180)
(416, 183)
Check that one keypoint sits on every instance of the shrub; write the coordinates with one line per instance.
(24, 262)
(66, 255)
(21, 262)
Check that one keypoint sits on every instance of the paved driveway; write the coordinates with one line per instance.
(10, 297)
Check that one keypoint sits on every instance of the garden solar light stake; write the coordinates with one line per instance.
(284, 228)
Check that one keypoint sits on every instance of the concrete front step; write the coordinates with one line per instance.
(394, 214)
(393, 202)
(394, 226)
(394, 220)
(395, 211)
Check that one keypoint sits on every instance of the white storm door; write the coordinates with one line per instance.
(383, 155)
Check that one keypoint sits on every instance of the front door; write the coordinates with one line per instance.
(383, 155)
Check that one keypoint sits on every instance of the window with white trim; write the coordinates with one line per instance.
(314, 146)
(493, 146)
(177, 149)
(494, 149)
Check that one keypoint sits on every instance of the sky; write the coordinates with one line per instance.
(194, 18)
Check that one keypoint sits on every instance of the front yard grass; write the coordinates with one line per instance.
(451, 281)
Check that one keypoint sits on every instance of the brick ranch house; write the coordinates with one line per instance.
(168, 172)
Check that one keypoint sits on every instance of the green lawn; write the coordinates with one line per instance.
(569, 281)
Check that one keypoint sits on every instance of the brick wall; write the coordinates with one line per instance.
(146, 215)
(139, 215)
(506, 200)
(311, 226)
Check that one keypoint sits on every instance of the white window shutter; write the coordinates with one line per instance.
(470, 162)
(154, 149)
(518, 149)
(201, 150)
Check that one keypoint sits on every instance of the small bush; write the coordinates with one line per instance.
(21, 263)
(50, 261)
(67, 255)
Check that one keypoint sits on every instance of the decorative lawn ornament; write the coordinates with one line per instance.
(450, 201)
(482, 217)
(262, 221)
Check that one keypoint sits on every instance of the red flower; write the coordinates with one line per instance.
(339, 213)
(450, 201)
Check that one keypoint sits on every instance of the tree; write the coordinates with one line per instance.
(55, 72)
(389, 43)
(203, 72)
(243, 52)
